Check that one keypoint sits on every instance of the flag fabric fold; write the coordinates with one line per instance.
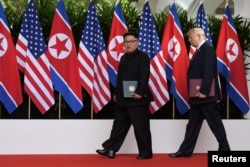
(230, 62)
(92, 60)
(115, 47)
(10, 86)
(31, 49)
(150, 44)
(176, 58)
(63, 58)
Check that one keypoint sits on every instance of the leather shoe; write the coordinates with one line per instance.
(109, 153)
(144, 157)
(179, 154)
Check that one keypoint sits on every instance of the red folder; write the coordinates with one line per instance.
(194, 87)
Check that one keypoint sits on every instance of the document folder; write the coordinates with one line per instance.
(194, 87)
(129, 88)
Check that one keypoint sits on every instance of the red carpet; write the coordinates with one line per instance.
(94, 160)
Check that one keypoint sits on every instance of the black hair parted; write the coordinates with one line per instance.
(131, 33)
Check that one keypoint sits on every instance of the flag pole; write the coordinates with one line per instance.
(59, 106)
(29, 108)
(173, 109)
(92, 111)
(227, 107)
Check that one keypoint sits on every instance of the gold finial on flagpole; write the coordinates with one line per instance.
(227, 1)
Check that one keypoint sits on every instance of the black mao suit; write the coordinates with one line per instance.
(204, 65)
(133, 67)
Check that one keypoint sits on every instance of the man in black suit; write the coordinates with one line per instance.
(134, 66)
(203, 66)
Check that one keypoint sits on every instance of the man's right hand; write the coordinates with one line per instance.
(114, 98)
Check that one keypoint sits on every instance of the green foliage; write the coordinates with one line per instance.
(14, 11)
(242, 28)
(77, 13)
(160, 20)
(105, 12)
(186, 23)
(214, 26)
(131, 15)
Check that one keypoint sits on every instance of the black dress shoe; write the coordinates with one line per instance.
(179, 154)
(109, 153)
(144, 157)
(102, 152)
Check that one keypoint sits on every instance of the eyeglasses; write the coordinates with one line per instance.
(129, 42)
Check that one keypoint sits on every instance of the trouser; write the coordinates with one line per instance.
(138, 116)
(197, 114)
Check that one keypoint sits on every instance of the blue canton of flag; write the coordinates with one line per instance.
(149, 40)
(92, 35)
(201, 21)
(32, 31)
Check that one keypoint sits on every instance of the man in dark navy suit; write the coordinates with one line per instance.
(202, 66)
(134, 110)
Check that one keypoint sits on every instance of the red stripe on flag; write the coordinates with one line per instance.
(158, 83)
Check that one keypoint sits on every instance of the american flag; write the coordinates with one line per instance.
(10, 86)
(175, 55)
(201, 21)
(31, 48)
(150, 44)
(115, 44)
(92, 59)
(230, 62)
(63, 58)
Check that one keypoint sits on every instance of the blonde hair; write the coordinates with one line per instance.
(197, 32)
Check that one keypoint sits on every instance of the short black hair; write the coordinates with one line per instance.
(130, 33)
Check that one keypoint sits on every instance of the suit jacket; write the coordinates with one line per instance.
(204, 65)
(134, 67)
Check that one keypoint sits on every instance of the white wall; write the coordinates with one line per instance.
(85, 136)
